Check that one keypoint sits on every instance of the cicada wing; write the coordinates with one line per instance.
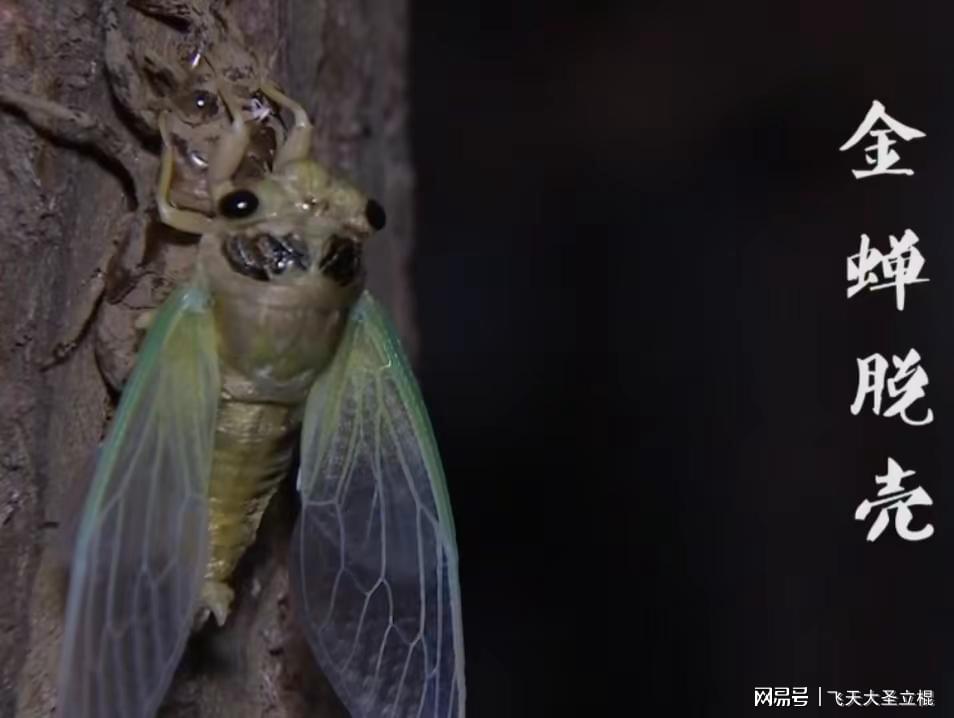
(143, 540)
(374, 557)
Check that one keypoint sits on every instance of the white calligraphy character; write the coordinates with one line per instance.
(901, 501)
(902, 265)
(884, 156)
(907, 385)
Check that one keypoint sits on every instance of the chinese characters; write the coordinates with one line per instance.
(901, 266)
(897, 269)
(906, 386)
(885, 157)
(797, 697)
(895, 497)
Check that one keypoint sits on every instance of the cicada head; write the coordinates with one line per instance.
(299, 224)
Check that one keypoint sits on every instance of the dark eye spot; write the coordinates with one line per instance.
(245, 258)
(375, 214)
(204, 99)
(238, 204)
(282, 253)
(342, 261)
(265, 256)
(206, 103)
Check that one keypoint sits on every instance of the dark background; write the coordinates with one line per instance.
(639, 355)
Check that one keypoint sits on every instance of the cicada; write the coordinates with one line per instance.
(272, 345)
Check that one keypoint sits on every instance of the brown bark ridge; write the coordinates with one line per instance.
(346, 62)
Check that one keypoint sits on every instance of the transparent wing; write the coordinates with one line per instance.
(143, 539)
(374, 558)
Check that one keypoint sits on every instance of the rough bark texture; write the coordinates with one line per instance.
(345, 60)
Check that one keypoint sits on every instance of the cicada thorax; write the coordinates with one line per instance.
(283, 260)
(280, 304)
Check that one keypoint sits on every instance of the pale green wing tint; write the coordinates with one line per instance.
(374, 560)
(143, 540)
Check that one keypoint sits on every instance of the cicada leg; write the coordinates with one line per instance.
(216, 599)
(230, 149)
(182, 219)
(297, 145)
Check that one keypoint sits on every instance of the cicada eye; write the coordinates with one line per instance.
(375, 214)
(206, 103)
(202, 98)
(238, 204)
(342, 260)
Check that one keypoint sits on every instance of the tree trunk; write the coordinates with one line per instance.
(345, 61)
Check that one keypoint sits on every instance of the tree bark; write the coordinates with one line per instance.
(345, 61)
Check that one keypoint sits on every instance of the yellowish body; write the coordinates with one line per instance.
(273, 341)
(254, 448)
(282, 264)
